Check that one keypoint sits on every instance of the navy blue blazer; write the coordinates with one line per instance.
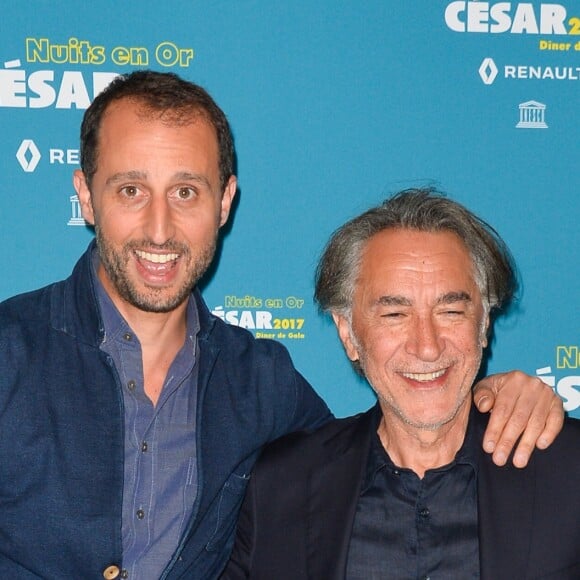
(62, 435)
(299, 509)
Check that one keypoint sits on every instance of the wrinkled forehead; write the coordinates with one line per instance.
(398, 254)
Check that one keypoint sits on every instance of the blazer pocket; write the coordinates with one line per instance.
(229, 502)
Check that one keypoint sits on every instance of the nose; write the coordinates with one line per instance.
(159, 226)
(424, 340)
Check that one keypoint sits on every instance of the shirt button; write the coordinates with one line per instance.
(140, 514)
(144, 446)
(131, 385)
(424, 513)
(111, 572)
(125, 574)
(127, 336)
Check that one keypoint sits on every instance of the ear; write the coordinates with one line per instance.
(484, 331)
(227, 199)
(343, 327)
(84, 194)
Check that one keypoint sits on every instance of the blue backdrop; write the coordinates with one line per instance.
(334, 107)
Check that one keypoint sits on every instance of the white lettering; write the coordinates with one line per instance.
(73, 157)
(452, 13)
(477, 16)
(502, 17)
(263, 319)
(219, 312)
(41, 89)
(510, 71)
(64, 156)
(247, 320)
(524, 20)
(538, 72)
(231, 317)
(72, 92)
(56, 156)
(101, 80)
(500, 14)
(38, 83)
(569, 389)
(259, 319)
(12, 88)
(552, 18)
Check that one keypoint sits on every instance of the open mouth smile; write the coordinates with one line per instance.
(156, 258)
(424, 377)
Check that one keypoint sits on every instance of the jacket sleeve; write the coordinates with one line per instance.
(310, 411)
(280, 397)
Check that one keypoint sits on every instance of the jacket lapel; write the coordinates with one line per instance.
(505, 505)
(505, 517)
(334, 488)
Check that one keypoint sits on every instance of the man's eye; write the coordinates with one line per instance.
(185, 193)
(129, 191)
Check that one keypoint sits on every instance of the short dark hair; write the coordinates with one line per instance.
(176, 99)
(425, 210)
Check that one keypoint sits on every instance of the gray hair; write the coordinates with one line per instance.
(424, 210)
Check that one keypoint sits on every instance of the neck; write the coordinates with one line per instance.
(161, 336)
(422, 449)
(157, 329)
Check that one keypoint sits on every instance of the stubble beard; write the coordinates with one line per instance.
(153, 299)
(424, 425)
(389, 401)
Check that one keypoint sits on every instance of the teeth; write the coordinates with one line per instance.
(156, 258)
(424, 377)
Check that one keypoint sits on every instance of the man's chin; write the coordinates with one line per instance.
(430, 419)
(436, 421)
(156, 300)
(159, 305)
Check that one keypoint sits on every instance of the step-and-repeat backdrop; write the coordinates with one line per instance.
(334, 106)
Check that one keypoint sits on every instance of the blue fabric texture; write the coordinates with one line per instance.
(160, 455)
(62, 434)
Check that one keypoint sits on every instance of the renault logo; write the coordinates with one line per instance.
(488, 71)
(28, 155)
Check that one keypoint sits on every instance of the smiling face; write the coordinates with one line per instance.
(156, 204)
(418, 326)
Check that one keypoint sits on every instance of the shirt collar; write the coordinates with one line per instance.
(379, 458)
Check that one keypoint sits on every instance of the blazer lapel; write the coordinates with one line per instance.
(505, 516)
(333, 497)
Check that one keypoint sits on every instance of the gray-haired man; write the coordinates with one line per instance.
(405, 491)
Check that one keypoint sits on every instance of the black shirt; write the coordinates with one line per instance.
(411, 528)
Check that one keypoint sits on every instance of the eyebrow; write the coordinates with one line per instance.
(448, 298)
(188, 176)
(126, 175)
(452, 297)
(389, 300)
(142, 175)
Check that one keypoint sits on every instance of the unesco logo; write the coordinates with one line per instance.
(28, 155)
